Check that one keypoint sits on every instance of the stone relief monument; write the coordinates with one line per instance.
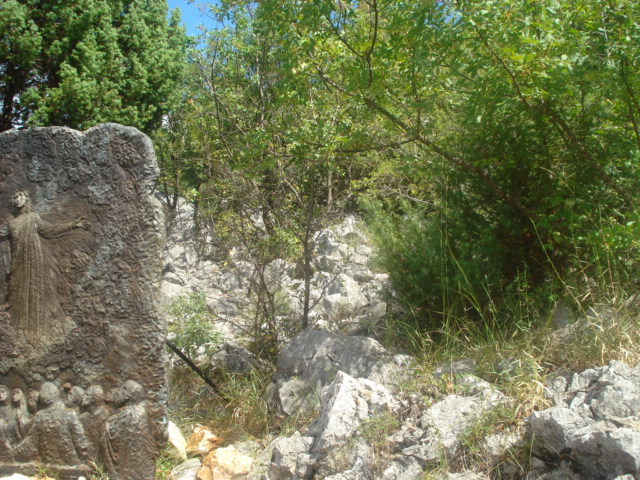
(82, 359)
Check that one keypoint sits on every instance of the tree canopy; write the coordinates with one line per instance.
(78, 64)
(493, 144)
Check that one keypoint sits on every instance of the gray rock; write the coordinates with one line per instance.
(290, 458)
(562, 315)
(347, 402)
(312, 359)
(446, 421)
(403, 468)
(234, 358)
(603, 449)
(186, 471)
(465, 475)
(595, 422)
(360, 461)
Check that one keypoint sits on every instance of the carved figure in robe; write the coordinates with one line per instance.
(57, 434)
(94, 416)
(5, 448)
(32, 401)
(32, 295)
(6, 416)
(21, 420)
(127, 442)
(74, 397)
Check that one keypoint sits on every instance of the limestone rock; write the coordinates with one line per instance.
(347, 403)
(403, 468)
(595, 422)
(446, 421)
(177, 440)
(290, 458)
(202, 441)
(186, 471)
(346, 295)
(457, 367)
(233, 358)
(225, 464)
(311, 360)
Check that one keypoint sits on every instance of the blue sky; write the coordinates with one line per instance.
(192, 15)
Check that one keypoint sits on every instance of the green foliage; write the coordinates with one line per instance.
(191, 325)
(494, 144)
(80, 64)
(517, 121)
(377, 429)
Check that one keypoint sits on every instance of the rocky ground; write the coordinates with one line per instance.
(371, 419)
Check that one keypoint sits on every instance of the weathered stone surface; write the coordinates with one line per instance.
(312, 359)
(403, 468)
(202, 441)
(186, 470)
(290, 458)
(78, 322)
(347, 403)
(177, 440)
(346, 295)
(442, 426)
(233, 358)
(225, 464)
(333, 448)
(595, 422)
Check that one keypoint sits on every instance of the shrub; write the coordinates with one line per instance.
(191, 326)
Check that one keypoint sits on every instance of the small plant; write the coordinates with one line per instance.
(191, 326)
(376, 430)
(166, 461)
(99, 472)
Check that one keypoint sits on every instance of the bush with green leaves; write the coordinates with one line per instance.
(191, 325)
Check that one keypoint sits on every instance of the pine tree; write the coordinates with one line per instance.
(82, 63)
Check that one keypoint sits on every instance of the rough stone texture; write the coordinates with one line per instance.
(345, 294)
(347, 403)
(403, 468)
(312, 359)
(202, 441)
(94, 305)
(333, 448)
(186, 470)
(225, 464)
(438, 430)
(177, 440)
(290, 458)
(595, 422)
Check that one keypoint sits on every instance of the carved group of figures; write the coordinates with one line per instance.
(73, 426)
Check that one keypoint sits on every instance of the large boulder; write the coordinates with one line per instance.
(333, 447)
(312, 359)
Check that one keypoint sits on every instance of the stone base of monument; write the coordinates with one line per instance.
(62, 472)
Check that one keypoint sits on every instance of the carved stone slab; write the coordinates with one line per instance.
(82, 359)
